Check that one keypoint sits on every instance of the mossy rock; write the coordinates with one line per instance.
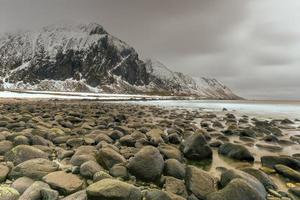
(8, 193)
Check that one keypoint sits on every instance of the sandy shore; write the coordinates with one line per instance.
(147, 151)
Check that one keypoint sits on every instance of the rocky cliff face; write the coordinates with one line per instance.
(87, 58)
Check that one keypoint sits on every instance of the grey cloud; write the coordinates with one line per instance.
(251, 46)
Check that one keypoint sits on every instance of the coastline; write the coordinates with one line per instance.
(124, 130)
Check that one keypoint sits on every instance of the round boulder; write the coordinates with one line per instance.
(65, 183)
(111, 189)
(21, 184)
(109, 157)
(174, 168)
(22, 153)
(147, 164)
(199, 182)
(34, 168)
(195, 147)
(237, 189)
(89, 168)
(236, 151)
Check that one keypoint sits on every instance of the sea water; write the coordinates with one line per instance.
(268, 109)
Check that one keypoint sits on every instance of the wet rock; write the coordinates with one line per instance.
(232, 174)
(34, 168)
(230, 116)
(215, 143)
(262, 177)
(247, 139)
(270, 138)
(236, 151)
(285, 142)
(199, 182)
(287, 121)
(174, 168)
(271, 161)
(147, 164)
(223, 138)
(111, 189)
(237, 189)
(270, 147)
(295, 191)
(295, 138)
(22, 153)
(248, 133)
(195, 147)
(288, 172)
(217, 124)
(64, 182)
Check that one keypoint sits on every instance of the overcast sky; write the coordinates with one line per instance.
(253, 46)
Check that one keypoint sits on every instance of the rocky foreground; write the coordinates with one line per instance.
(90, 150)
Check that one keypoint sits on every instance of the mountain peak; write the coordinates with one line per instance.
(93, 28)
(85, 57)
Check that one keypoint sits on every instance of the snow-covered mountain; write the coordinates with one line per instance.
(87, 58)
(163, 79)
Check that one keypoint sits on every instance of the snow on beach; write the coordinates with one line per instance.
(74, 95)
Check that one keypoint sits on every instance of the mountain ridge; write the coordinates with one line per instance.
(87, 58)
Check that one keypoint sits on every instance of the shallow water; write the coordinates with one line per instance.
(259, 109)
(269, 109)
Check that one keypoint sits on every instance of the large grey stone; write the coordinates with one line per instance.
(147, 164)
(111, 189)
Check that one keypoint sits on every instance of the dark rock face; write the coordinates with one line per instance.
(97, 61)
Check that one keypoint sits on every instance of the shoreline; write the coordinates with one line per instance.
(119, 134)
